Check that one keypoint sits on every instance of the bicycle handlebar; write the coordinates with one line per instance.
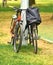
(17, 9)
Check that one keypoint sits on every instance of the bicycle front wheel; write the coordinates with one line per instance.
(17, 38)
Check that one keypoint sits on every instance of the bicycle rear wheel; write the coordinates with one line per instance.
(29, 32)
(34, 38)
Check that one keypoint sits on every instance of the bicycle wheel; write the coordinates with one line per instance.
(12, 38)
(17, 38)
(29, 32)
(12, 41)
(34, 38)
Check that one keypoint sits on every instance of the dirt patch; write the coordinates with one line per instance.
(46, 18)
(46, 48)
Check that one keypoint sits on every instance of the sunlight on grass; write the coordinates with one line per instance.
(45, 28)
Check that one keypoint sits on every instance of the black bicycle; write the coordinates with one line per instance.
(33, 36)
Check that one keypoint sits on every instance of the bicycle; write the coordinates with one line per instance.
(33, 36)
(18, 32)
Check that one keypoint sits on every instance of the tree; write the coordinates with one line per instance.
(4, 3)
(31, 2)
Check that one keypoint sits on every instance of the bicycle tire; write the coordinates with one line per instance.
(12, 41)
(34, 39)
(12, 38)
(17, 45)
(29, 32)
(20, 43)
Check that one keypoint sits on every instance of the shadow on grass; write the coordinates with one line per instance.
(24, 49)
(24, 57)
(29, 49)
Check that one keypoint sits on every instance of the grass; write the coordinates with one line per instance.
(47, 33)
(24, 57)
(44, 1)
(37, 1)
(5, 9)
(45, 29)
(46, 23)
(49, 8)
(44, 6)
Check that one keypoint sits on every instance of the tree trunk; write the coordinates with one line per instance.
(31, 2)
(4, 3)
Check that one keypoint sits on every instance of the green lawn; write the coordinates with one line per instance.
(45, 28)
(43, 5)
(24, 57)
(42, 8)
(46, 32)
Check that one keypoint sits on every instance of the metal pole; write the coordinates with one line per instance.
(24, 6)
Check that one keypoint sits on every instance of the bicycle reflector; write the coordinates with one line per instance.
(14, 16)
